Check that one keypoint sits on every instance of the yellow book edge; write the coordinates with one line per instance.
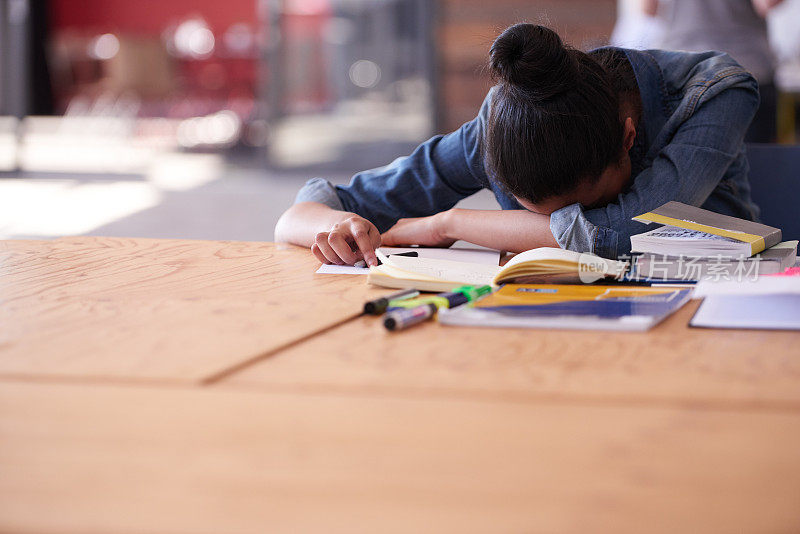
(387, 276)
(539, 294)
(756, 242)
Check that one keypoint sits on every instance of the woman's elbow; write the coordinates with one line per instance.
(283, 227)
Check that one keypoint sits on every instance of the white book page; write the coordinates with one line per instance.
(446, 270)
(479, 256)
(674, 241)
(673, 232)
(467, 255)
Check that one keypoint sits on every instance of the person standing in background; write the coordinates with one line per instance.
(737, 27)
(636, 27)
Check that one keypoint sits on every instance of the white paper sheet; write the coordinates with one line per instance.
(468, 255)
(483, 256)
(341, 269)
(763, 312)
(763, 285)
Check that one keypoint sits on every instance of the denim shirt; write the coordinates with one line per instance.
(696, 108)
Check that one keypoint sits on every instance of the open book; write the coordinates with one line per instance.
(540, 265)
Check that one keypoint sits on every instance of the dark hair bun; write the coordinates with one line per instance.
(534, 58)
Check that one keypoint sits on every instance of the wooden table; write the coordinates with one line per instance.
(164, 310)
(671, 364)
(197, 418)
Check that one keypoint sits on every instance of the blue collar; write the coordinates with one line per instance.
(653, 93)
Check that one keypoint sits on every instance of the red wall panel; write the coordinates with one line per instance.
(147, 17)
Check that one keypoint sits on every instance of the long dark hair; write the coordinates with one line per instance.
(554, 120)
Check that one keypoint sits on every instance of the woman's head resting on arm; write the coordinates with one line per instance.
(559, 128)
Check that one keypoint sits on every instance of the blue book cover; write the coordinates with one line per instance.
(571, 307)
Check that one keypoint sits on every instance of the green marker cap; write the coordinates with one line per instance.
(473, 292)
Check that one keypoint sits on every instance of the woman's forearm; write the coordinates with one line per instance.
(302, 222)
(509, 230)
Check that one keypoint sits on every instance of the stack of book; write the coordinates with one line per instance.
(696, 244)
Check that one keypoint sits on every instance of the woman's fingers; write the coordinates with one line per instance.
(324, 247)
(318, 253)
(342, 248)
(348, 242)
(367, 239)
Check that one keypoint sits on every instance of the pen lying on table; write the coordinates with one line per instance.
(410, 311)
(362, 263)
(451, 299)
(378, 306)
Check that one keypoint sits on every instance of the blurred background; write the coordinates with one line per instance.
(200, 119)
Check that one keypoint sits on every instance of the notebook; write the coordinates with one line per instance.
(768, 303)
(760, 312)
(693, 231)
(581, 307)
(545, 264)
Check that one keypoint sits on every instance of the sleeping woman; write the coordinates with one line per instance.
(572, 144)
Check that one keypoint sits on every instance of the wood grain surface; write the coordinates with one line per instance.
(160, 309)
(671, 363)
(86, 458)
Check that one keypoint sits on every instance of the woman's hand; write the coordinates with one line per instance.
(426, 231)
(348, 241)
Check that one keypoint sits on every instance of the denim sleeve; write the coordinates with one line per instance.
(319, 190)
(687, 169)
(438, 174)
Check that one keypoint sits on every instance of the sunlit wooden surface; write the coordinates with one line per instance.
(672, 363)
(155, 386)
(83, 458)
(159, 309)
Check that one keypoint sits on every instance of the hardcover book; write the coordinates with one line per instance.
(692, 231)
